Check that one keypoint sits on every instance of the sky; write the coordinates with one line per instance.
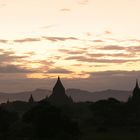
(91, 44)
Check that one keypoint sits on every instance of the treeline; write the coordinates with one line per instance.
(43, 121)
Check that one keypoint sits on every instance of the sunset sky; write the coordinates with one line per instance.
(90, 44)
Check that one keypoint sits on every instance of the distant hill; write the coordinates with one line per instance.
(82, 95)
(38, 94)
(76, 94)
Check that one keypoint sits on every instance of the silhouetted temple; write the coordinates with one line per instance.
(58, 96)
(136, 94)
(31, 99)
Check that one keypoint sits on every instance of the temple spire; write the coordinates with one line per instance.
(58, 78)
(31, 99)
(58, 88)
(137, 84)
(58, 96)
(136, 94)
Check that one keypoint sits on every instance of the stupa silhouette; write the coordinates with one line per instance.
(31, 99)
(58, 96)
(136, 93)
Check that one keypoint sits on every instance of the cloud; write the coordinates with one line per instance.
(107, 32)
(3, 5)
(83, 2)
(88, 55)
(3, 41)
(78, 58)
(36, 39)
(88, 34)
(111, 47)
(119, 61)
(133, 49)
(55, 39)
(30, 53)
(129, 51)
(9, 57)
(65, 10)
(7, 60)
(59, 71)
(117, 73)
(100, 65)
(72, 51)
(108, 54)
(128, 55)
(98, 41)
(134, 40)
(121, 80)
(27, 40)
(14, 69)
(101, 60)
(49, 26)
(97, 55)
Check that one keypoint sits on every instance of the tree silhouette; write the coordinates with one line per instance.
(47, 122)
(6, 120)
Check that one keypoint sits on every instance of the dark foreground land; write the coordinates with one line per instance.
(102, 120)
